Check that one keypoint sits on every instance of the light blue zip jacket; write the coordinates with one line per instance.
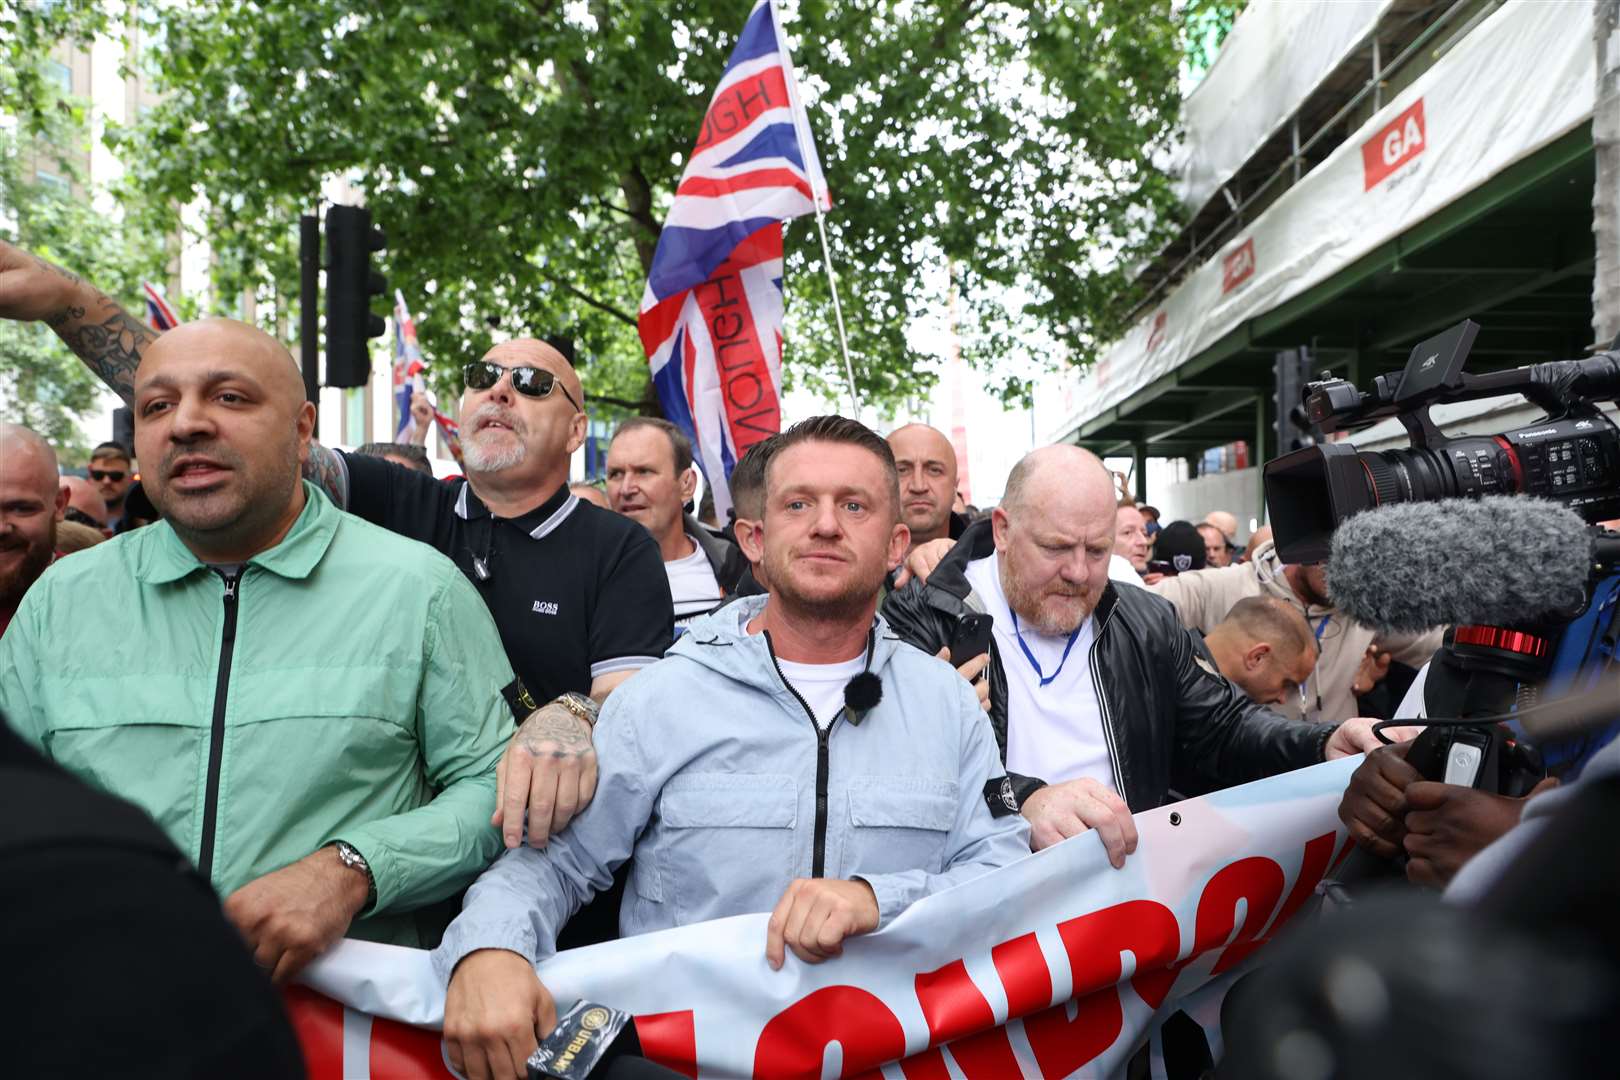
(709, 776)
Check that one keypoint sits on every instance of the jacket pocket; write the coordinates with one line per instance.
(723, 839)
(899, 823)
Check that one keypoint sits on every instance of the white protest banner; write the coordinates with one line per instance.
(1058, 965)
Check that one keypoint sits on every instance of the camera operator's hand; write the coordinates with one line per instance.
(1374, 805)
(1446, 825)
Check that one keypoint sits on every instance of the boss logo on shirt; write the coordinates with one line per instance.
(545, 607)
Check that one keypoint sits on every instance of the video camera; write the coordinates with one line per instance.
(1571, 457)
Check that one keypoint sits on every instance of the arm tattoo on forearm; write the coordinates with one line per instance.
(552, 729)
(110, 348)
(325, 470)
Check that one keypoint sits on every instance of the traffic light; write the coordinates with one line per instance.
(350, 285)
(1293, 371)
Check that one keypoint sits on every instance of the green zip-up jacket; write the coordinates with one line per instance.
(346, 688)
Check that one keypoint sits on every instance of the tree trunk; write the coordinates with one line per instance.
(1606, 197)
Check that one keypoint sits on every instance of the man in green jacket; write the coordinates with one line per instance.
(309, 705)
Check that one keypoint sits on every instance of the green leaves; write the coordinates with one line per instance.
(521, 156)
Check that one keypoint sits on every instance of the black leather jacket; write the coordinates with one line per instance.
(1167, 721)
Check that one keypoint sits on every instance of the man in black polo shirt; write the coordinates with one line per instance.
(578, 593)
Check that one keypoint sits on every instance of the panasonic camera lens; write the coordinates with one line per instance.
(1574, 461)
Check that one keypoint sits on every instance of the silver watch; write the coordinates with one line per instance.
(581, 706)
(352, 858)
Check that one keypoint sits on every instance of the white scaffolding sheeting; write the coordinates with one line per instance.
(1521, 79)
(1278, 52)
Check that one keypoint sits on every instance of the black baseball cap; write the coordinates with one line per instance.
(1181, 545)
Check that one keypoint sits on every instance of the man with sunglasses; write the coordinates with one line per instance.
(113, 472)
(578, 593)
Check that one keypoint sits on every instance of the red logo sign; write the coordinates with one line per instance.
(1237, 267)
(1156, 332)
(1398, 142)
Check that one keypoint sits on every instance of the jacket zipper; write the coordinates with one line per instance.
(818, 858)
(216, 737)
(1107, 713)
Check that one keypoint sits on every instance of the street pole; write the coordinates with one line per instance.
(309, 309)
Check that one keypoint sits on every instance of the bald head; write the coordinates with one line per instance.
(536, 353)
(926, 464)
(237, 347)
(30, 500)
(514, 441)
(1063, 472)
(85, 497)
(28, 460)
(221, 429)
(1227, 523)
(1264, 646)
(1054, 533)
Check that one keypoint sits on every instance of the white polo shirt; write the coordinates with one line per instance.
(1054, 731)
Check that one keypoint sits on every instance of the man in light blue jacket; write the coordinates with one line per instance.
(790, 755)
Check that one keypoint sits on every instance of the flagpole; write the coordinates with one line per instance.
(806, 143)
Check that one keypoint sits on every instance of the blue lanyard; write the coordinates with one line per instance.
(1039, 674)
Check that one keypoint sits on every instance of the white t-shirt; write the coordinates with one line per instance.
(1054, 731)
(1121, 570)
(822, 685)
(692, 586)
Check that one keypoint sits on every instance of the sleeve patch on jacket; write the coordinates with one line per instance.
(519, 700)
(998, 795)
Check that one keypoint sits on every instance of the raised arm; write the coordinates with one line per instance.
(107, 338)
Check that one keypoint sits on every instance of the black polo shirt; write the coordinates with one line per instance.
(577, 591)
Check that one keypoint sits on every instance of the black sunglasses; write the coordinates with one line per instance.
(529, 381)
(115, 475)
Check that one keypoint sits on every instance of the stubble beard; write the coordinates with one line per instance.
(36, 557)
(844, 606)
(477, 456)
(1034, 609)
(248, 513)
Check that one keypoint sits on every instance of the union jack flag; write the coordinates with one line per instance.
(450, 432)
(158, 312)
(711, 317)
(408, 367)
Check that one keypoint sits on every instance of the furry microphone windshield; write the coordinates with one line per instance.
(1501, 560)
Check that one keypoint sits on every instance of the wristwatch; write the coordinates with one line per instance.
(581, 706)
(352, 858)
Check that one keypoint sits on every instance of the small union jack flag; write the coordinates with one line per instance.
(158, 312)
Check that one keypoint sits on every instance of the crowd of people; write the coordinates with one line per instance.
(500, 714)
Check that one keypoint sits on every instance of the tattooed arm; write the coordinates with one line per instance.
(549, 768)
(109, 339)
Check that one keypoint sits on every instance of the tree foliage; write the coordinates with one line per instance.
(520, 156)
(42, 385)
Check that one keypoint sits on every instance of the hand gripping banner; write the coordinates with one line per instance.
(1058, 965)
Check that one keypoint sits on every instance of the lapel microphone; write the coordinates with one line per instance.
(864, 691)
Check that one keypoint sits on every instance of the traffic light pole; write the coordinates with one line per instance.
(309, 309)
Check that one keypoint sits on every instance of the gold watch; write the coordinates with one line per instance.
(581, 706)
